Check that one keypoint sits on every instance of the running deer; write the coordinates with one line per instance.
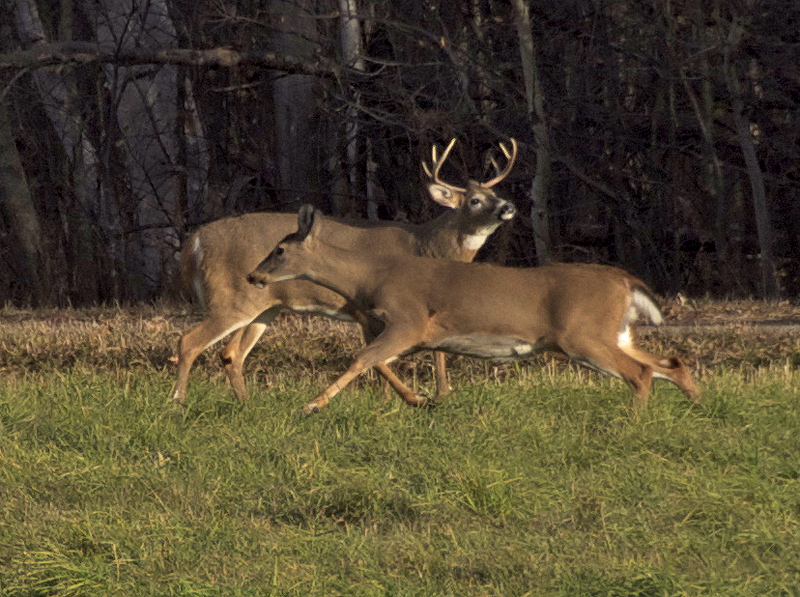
(585, 312)
(216, 259)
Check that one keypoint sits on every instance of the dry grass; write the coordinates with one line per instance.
(707, 334)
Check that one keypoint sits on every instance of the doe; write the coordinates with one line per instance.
(585, 312)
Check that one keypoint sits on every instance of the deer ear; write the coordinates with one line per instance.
(306, 220)
(443, 195)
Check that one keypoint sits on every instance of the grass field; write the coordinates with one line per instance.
(529, 480)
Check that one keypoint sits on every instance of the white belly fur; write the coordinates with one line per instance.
(332, 313)
(486, 346)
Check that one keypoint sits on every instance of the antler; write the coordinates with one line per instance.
(437, 166)
(511, 157)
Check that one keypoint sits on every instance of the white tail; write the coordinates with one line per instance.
(585, 312)
(216, 259)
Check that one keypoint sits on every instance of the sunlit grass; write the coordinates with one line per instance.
(546, 486)
(530, 479)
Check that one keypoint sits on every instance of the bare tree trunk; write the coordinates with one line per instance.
(145, 103)
(293, 96)
(540, 188)
(195, 155)
(769, 275)
(17, 209)
(58, 96)
(703, 108)
(351, 44)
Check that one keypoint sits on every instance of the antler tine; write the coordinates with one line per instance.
(425, 166)
(511, 157)
(437, 163)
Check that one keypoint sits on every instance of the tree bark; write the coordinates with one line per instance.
(350, 41)
(57, 94)
(540, 187)
(145, 104)
(293, 98)
(20, 214)
(769, 273)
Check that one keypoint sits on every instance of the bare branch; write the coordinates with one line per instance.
(52, 54)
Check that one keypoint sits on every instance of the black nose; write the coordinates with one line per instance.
(508, 211)
(253, 279)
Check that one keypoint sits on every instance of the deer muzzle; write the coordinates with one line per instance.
(507, 212)
(257, 280)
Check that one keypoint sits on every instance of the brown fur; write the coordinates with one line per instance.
(480, 310)
(232, 247)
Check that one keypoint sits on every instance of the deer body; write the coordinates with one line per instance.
(585, 312)
(217, 258)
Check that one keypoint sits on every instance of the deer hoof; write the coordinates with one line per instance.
(425, 402)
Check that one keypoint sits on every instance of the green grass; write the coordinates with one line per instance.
(539, 484)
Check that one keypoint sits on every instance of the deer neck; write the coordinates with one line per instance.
(447, 237)
(347, 273)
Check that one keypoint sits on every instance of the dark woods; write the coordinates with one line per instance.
(662, 136)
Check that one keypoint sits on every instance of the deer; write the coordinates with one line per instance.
(585, 312)
(218, 256)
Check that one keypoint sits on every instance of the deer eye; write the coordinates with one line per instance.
(474, 202)
(278, 251)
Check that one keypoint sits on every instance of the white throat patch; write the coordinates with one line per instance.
(473, 242)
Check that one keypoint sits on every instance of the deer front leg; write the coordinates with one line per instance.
(387, 345)
(406, 394)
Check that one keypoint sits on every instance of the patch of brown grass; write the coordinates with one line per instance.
(707, 334)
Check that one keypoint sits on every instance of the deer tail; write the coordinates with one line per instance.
(644, 304)
(191, 272)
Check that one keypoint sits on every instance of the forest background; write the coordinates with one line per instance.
(658, 135)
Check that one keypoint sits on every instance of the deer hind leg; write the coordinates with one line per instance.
(610, 359)
(440, 372)
(239, 346)
(409, 396)
(377, 353)
(671, 368)
(195, 341)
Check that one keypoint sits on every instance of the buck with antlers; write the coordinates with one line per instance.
(216, 259)
(585, 312)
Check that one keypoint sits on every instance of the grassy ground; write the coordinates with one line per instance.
(530, 480)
